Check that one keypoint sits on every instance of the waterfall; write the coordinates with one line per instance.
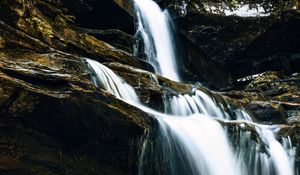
(153, 27)
(264, 163)
(192, 133)
(189, 138)
(275, 159)
(191, 142)
(108, 80)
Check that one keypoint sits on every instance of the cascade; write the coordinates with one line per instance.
(277, 158)
(201, 103)
(189, 139)
(186, 137)
(186, 143)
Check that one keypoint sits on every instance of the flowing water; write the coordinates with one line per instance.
(154, 28)
(190, 138)
(190, 141)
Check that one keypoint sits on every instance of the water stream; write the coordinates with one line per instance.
(190, 139)
(154, 28)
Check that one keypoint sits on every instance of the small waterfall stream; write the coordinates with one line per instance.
(189, 138)
(155, 30)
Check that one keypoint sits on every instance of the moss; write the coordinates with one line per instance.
(263, 80)
(41, 26)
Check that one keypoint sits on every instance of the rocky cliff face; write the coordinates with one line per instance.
(54, 121)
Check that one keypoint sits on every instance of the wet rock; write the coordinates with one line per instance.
(267, 112)
(195, 67)
(52, 119)
(293, 116)
(270, 96)
(216, 35)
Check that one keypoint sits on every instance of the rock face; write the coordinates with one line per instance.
(47, 99)
(53, 32)
(245, 46)
(52, 119)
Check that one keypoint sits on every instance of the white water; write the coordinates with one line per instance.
(108, 80)
(200, 102)
(154, 28)
(278, 159)
(200, 137)
(202, 141)
(277, 153)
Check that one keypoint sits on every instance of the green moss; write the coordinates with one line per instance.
(43, 27)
